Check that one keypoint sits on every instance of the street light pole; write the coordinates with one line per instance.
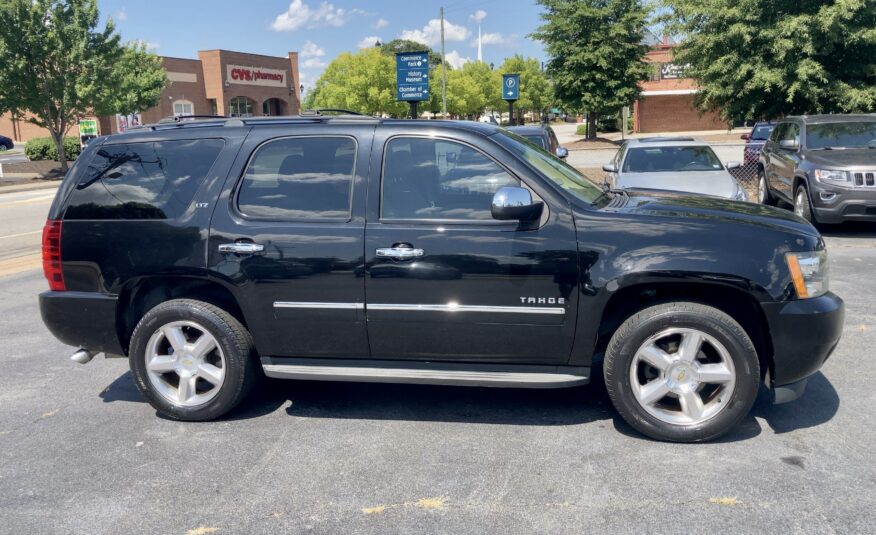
(443, 71)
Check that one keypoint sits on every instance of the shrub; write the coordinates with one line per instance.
(43, 148)
(581, 130)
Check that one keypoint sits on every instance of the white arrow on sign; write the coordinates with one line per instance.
(510, 93)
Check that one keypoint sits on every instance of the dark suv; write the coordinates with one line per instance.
(357, 249)
(824, 165)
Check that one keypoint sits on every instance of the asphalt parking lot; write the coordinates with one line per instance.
(81, 451)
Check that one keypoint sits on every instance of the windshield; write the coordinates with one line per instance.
(676, 159)
(554, 169)
(761, 132)
(536, 140)
(850, 135)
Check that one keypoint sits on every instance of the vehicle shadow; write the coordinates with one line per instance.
(852, 229)
(122, 389)
(818, 404)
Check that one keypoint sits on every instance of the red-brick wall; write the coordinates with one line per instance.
(674, 113)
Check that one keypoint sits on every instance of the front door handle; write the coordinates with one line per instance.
(399, 253)
(241, 248)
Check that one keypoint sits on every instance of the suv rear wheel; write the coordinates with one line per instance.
(192, 360)
(682, 372)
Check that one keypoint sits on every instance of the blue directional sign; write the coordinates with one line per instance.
(511, 86)
(412, 76)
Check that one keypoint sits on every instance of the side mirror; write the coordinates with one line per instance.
(562, 153)
(733, 165)
(609, 168)
(789, 144)
(512, 202)
(745, 136)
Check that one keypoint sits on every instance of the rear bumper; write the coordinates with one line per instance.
(82, 319)
(804, 333)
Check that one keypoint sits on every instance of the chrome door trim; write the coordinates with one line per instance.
(423, 376)
(313, 304)
(453, 307)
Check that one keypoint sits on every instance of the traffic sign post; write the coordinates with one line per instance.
(412, 78)
(511, 93)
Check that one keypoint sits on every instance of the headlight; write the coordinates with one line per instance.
(826, 175)
(809, 272)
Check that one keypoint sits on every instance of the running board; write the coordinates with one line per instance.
(426, 373)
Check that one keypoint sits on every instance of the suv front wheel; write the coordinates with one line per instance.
(683, 372)
(192, 360)
(802, 205)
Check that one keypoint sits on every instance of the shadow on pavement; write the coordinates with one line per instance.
(818, 404)
(849, 230)
(122, 389)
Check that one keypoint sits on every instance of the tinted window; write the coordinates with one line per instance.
(155, 180)
(761, 132)
(778, 131)
(791, 132)
(435, 179)
(538, 141)
(662, 159)
(845, 135)
(300, 178)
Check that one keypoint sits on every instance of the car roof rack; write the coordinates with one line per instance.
(660, 139)
(181, 118)
(321, 111)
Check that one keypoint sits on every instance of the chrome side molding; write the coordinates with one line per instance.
(449, 307)
(424, 376)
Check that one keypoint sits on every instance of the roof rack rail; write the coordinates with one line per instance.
(319, 111)
(181, 118)
(658, 139)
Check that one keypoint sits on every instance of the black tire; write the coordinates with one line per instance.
(763, 188)
(804, 210)
(240, 359)
(637, 329)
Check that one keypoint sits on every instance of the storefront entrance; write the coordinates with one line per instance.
(273, 106)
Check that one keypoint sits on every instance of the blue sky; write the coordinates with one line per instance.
(320, 30)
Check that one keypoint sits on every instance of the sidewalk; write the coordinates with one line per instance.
(25, 182)
(566, 135)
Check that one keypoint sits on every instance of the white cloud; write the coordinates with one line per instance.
(122, 16)
(381, 23)
(456, 60)
(478, 16)
(494, 38)
(300, 15)
(311, 50)
(430, 34)
(313, 63)
(368, 42)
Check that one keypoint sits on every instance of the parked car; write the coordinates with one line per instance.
(679, 164)
(754, 141)
(294, 247)
(823, 165)
(6, 143)
(489, 119)
(542, 136)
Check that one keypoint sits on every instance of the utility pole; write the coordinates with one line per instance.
(443, 72)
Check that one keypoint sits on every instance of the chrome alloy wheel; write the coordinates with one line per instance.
(682, 376)
(762, 189)
(799, 201)
(185, 364)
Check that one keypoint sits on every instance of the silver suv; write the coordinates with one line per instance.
(673, 163)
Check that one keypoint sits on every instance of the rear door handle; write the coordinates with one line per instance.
(399, 253)
(241, 248)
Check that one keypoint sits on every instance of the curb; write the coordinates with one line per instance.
(29, 187)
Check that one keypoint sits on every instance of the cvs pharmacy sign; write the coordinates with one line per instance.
(239, 74)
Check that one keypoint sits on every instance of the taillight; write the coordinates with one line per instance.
(52, 255)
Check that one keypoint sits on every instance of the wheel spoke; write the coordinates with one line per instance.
(714, 373)
(186, 387)
(203, 346)
(654, 391)
(655, 356)
(691, 404)
(690, 346)
(161, 363)
(176, 338)
(210, 373)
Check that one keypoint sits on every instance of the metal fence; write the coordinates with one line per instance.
(746, 174)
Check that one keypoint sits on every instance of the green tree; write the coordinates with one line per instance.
(364, 82)
(768, 58)
(536, 92)
(56, 65)
(140, 78)
(596, 50)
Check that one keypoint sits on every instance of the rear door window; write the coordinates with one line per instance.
(300, 178)
(152, 180)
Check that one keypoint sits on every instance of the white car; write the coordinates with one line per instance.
(675, 164)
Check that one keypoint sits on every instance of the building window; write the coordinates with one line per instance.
(183, 107)
(213, 109)
(240, 107)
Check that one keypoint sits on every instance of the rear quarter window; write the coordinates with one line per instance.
(151, 180)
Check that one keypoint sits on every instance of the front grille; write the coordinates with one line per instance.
(864, 179)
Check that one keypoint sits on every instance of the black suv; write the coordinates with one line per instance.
(824, 165)
(358, 249)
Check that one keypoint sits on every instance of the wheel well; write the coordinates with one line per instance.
(797, 181)
(137, 299)
(735, 303)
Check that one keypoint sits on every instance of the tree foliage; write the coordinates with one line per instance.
(363, 82)
(768, 58)
(56, 65)
(596, 50)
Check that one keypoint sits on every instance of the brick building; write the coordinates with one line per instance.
(219, 82)
(666, 103)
